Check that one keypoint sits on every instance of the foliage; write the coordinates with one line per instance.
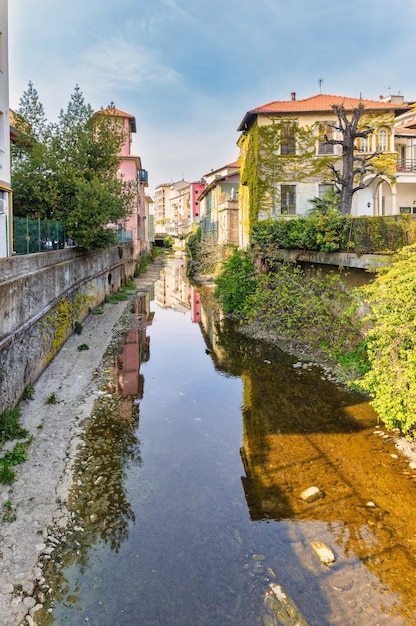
(236, 282)
(82, 347)
(168, 241)
(193, 243)
(329, 202)
(68, 171)
(311, 308)
(391, 342)
(28, 392)
(329, 231)
(51, 399)
(7, 475)
(18, 455)
(10, 427)
(263, 166)
(142, 264)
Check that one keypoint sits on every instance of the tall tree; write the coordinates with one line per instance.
(68, 171)
(358, 171)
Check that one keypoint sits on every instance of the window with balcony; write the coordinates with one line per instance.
(288, 199)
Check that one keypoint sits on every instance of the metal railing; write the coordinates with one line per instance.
(406, 165)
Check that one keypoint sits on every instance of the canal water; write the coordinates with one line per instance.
(187, 493)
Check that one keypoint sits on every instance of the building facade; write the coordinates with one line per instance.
(219, 204)
(285, 156)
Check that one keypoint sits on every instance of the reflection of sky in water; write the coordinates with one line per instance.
(213, 453)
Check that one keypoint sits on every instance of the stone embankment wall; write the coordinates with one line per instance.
(41, 298)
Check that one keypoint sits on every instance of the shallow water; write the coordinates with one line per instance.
(188, 487)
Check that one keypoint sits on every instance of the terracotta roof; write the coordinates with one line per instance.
(407, 131)
(316, 104)
(118, 113)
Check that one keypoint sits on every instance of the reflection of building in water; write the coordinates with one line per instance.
(136, 350)
(172, 290)
(298, 434)
(195, 306)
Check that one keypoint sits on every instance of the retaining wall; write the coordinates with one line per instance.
(41, 297)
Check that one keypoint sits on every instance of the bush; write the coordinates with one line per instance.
(309, 309)
(391, 342)
(236, 282)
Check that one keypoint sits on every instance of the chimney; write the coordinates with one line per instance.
(293, 95)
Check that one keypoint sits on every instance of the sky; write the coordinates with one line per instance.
(189, 70)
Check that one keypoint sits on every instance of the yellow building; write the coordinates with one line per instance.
(284, 156)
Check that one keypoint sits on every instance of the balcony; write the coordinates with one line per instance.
(406, 165)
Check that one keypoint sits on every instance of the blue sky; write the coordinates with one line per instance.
(188, 70)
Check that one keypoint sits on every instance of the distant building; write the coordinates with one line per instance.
(219, 204)
(172, 208)
(6, 223)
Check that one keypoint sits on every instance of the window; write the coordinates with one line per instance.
(288, 199)
(382, 140)
(323, 189)
(325, 129)
(287, 139)
(363, 144)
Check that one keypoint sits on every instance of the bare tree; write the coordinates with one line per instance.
(353, 175)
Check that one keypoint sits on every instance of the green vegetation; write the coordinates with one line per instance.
(10, 427)
(67, 171)
(82, 347)
(237, 282)
(391, 342)
(300, 308)
(326, 230)
(313, 310)
(52, 399)
(28, 392)
(77, 328)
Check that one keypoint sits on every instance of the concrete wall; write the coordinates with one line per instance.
(41, 296)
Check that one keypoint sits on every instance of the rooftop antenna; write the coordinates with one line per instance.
(320, 81)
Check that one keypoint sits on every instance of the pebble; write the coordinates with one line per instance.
(323, 552)
(311, 494)
(370, 504)
(412, 465)
(29, 602)
(7, 588)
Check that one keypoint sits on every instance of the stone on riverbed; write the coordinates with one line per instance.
(311, 494)
(323, 552)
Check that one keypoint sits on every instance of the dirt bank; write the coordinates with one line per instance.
(38, 496)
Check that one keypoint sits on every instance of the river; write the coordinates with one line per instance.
(187, 493)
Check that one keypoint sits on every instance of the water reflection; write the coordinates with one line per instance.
(300, 430)
(190, 524)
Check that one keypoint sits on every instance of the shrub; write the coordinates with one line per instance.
(236, 282)
(391, 342)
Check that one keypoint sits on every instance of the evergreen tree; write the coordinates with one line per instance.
(68, 171)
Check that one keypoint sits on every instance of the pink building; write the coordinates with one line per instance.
(196, 190)
(130, 169)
